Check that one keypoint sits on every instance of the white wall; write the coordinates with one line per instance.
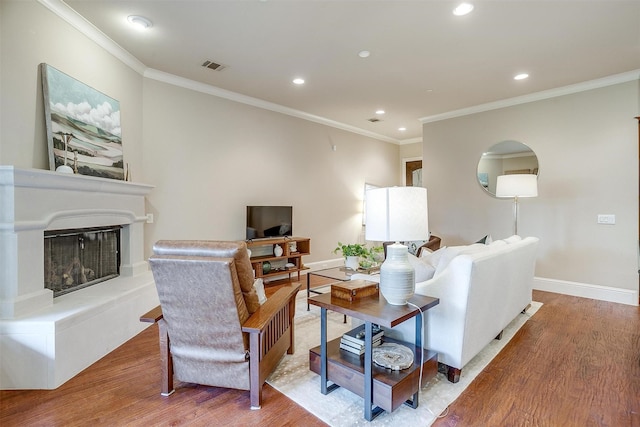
(208, 157)
(31, 34)
(587, 147)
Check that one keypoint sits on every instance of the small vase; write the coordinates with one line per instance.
(277, 250)
(352, 262)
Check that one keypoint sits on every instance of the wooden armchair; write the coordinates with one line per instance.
(212, 329)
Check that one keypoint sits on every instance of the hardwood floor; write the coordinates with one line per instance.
(575, 363)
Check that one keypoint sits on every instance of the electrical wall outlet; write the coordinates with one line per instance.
(606, 219)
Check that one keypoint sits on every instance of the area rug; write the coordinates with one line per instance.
(343, 408)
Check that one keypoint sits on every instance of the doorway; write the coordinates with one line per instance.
(412, 175)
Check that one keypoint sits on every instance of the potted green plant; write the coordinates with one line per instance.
(373, 258)
(352, 253)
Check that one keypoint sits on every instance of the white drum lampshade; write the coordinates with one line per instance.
(397, 214)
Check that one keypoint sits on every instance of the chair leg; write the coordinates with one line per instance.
(292, 313)
(255, 387)
(165, 359)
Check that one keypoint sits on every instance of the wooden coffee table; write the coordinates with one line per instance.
(382, 389)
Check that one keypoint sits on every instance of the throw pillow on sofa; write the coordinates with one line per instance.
(486, 240)
(513, 239)
(424, 270)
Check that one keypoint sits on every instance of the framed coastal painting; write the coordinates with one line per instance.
(83, 126)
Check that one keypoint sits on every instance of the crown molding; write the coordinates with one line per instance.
(174, 80)
(76, 20)
(410, 140)
(538, 96)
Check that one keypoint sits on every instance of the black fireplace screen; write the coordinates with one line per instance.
(75, 259)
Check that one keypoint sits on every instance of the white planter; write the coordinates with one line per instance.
(352, 262)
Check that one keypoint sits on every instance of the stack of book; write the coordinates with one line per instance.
(353, 341)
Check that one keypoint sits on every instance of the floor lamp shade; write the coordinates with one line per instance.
(397, 214)
(516, 186)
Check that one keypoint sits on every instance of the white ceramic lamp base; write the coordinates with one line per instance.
(397, 276)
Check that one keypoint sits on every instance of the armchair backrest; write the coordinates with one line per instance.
(200, 288)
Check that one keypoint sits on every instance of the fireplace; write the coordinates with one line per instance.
(62, 223)
(77, 258)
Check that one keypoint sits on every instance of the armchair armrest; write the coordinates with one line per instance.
(152, 316)
(271, 333)
(261, 317)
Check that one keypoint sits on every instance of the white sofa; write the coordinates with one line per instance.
(481, 288)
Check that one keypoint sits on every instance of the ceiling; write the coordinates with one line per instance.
(423, 62)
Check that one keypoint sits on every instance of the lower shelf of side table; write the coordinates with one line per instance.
(390, 388)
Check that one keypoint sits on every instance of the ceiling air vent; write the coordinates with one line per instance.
(213, 66)
(374, 120)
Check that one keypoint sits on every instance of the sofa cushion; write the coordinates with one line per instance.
(453, 251)
(439, 259)
(424, 270)
(497, 243)
(245, 277)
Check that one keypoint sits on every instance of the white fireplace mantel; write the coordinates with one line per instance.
(39, 335)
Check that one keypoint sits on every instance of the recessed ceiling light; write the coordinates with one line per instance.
(463, 9)
(402, 129)
(521, 76)
(139, 22)
(298, 81)
(380, 112)
(364, 54)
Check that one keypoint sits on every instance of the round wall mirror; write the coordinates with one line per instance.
(505, 158)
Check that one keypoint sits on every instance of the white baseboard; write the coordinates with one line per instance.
(585, 290)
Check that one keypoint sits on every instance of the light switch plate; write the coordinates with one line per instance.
(606, 219)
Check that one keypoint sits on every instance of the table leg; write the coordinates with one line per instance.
(308, 289)
(370, 411)
(323, 351)
(418, 340)
(324, 373)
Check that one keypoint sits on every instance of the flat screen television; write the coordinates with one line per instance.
(269, 221)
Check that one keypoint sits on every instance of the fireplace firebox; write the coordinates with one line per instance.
(75, 259)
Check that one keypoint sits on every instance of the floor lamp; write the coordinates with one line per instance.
(517, 186)
(397, 214)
